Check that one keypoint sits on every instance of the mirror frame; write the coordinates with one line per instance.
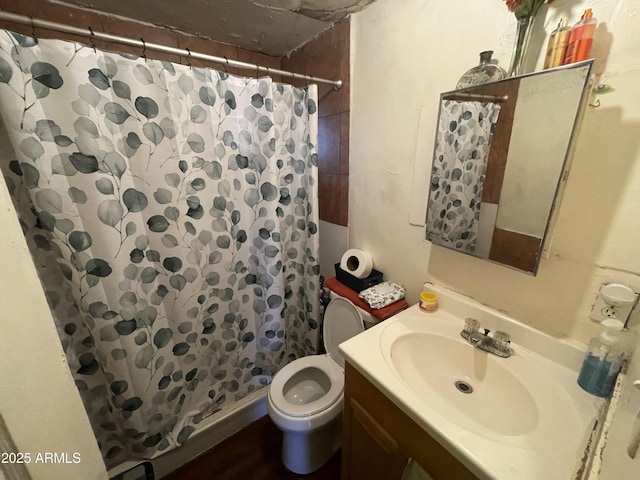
(467, 93)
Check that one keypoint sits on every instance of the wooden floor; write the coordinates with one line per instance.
(253, 453)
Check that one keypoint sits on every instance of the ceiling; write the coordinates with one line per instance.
(274, 27)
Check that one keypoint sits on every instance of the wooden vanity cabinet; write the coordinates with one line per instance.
(378, 438)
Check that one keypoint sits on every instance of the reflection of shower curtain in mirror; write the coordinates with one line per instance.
(172, 216)
(459, 165)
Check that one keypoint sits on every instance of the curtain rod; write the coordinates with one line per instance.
(495, 98)
(89, 33)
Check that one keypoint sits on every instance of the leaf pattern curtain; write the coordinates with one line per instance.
(460, 158)
(172, 216)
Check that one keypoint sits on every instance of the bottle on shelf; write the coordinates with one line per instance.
(581, 39)
(557, 47)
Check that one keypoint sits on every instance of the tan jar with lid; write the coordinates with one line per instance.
(428, 302)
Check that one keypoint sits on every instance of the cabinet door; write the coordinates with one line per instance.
(378, 438)
(371, 453)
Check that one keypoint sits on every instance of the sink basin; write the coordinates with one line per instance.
(518, 401)
(470, 385)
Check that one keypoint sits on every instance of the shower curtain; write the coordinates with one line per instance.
(172, 216)
(460, 157)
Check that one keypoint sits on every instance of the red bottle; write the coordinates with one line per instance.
(581, 39)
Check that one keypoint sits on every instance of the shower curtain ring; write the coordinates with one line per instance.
(92, 40)
(33, 30)
(144, 49)
(189, 58)
(225, 65)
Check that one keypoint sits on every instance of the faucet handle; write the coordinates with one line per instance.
(471, 325)
(501, 340)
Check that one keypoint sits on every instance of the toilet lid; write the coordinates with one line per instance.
(341, 322)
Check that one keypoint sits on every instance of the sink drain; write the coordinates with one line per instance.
(464, 387)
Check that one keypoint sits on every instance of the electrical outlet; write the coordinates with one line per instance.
(614, 302)
(601, 311)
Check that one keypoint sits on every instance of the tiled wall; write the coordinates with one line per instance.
(328, 57)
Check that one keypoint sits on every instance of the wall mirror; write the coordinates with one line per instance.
(501, 156)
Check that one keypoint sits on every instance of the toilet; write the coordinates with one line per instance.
(305, 397)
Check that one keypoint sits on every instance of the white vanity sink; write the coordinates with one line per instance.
(520, 417)
(471, 387)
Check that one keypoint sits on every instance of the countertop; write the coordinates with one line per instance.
(558, 455)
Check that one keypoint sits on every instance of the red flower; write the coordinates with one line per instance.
(512, 4)
(525, 8)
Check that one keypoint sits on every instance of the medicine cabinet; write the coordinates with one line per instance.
(498, 204)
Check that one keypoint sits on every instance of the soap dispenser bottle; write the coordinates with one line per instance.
(602, 363)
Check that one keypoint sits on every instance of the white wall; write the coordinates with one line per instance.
(405, 54)
(38, 399)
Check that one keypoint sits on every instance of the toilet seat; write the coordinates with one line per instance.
(324, 363)
(342, 321)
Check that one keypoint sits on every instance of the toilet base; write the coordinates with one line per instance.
(306, 452)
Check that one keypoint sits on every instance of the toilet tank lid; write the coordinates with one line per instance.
(341, 322)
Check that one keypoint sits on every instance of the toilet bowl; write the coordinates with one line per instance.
(305, 397)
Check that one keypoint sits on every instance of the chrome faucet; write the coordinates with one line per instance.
(498, 344)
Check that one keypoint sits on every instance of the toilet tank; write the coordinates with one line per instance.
(368, 319)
